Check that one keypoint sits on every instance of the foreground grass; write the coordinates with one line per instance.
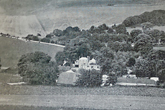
(57, 90)
(10, 107)
(6, 89)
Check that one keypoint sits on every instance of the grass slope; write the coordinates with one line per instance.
(12, 49)
(23, 7)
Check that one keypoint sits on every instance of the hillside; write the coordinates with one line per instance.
(12, 49)
(156, 17)
(24, 7)
(21, 25)
(22, 17)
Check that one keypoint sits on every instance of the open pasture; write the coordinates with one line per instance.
(12, 49)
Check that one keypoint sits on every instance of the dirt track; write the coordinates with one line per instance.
(86, 101)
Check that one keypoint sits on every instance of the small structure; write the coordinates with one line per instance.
(104, 79)
(154, 78)
(68, 78)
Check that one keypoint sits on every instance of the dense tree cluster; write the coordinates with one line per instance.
(157, 17)
(115, 50)
(89, 78)
(36, 68)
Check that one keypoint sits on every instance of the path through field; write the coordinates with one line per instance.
(86, 101)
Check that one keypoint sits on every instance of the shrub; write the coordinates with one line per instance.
(89, 78)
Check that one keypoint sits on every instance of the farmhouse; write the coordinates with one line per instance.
(86, 63)
(70, 77)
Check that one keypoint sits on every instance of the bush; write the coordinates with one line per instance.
(89, 78)
(49, 36)
(32, 37)
(36, 68)
(47, 40)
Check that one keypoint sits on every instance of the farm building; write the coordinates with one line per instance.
(85, 63)
(68, 78)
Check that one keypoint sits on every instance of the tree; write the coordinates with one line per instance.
(142, 68)
(121, 29)
(36, 68)
(57, 32)
(143, 36)
(147, 26)
(134, 33)
(49, 36)
(47, 40)
(107, 52)
(144, 46)
(161, 75)
(131, 62)
(32, 37)
(131, 21)
(60, 57)
(119, 46)
(89, 78)
(103, 27)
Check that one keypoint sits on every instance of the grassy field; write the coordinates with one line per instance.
(21, 25)
(10, 107)
(38, 97)
(12, 49)
(59, 90)
(22, 17)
